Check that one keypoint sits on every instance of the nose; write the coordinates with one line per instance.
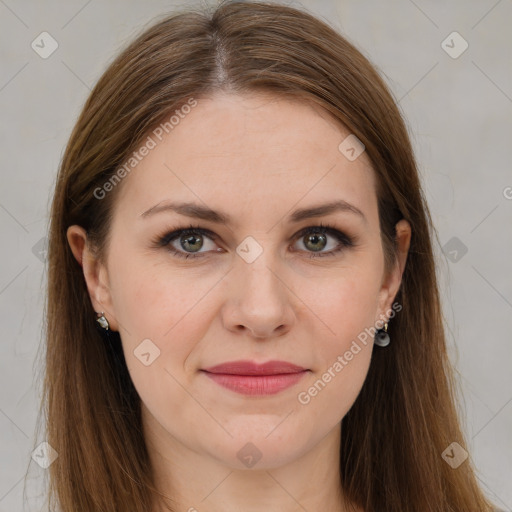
(259, 301)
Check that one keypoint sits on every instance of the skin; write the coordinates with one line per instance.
(257, 158)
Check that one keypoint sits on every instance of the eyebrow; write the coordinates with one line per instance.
(198, 211)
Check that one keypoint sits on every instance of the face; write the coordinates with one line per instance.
(264, 284)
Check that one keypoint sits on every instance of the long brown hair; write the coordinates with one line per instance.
(405, 416)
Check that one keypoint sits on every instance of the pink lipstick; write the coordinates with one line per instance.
(251, 378)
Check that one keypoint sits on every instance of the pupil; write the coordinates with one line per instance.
(189, 240)
(315, 238)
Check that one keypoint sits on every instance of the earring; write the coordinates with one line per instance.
(102, 321)
(382, 337)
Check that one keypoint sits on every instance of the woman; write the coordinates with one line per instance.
(243, 310)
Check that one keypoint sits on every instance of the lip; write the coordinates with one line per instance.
(251, 378)
(254, 368)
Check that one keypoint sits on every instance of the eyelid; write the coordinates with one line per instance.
(176, 233)
(325, 228)
(345, 241)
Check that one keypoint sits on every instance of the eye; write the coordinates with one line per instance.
(180, 241)
(316, 238)
(188, 242)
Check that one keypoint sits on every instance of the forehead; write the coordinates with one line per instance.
(250, 153)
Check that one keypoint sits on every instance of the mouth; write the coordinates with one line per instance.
(251, 378)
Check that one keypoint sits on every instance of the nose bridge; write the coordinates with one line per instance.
(259, 299)
(257, 265)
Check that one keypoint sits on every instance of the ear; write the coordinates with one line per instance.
(391, 283)
(95, 274)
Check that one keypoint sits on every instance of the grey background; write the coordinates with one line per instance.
(459, 112)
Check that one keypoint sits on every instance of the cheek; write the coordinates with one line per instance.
(347, 309)
(344, 304)
(332, 391)
(343, 354)
(164, 302)
(172, 308)
(152, 299)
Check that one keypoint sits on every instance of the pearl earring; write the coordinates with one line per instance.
(102, 320)
(382, 337)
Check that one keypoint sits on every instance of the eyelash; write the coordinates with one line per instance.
(344, 240)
